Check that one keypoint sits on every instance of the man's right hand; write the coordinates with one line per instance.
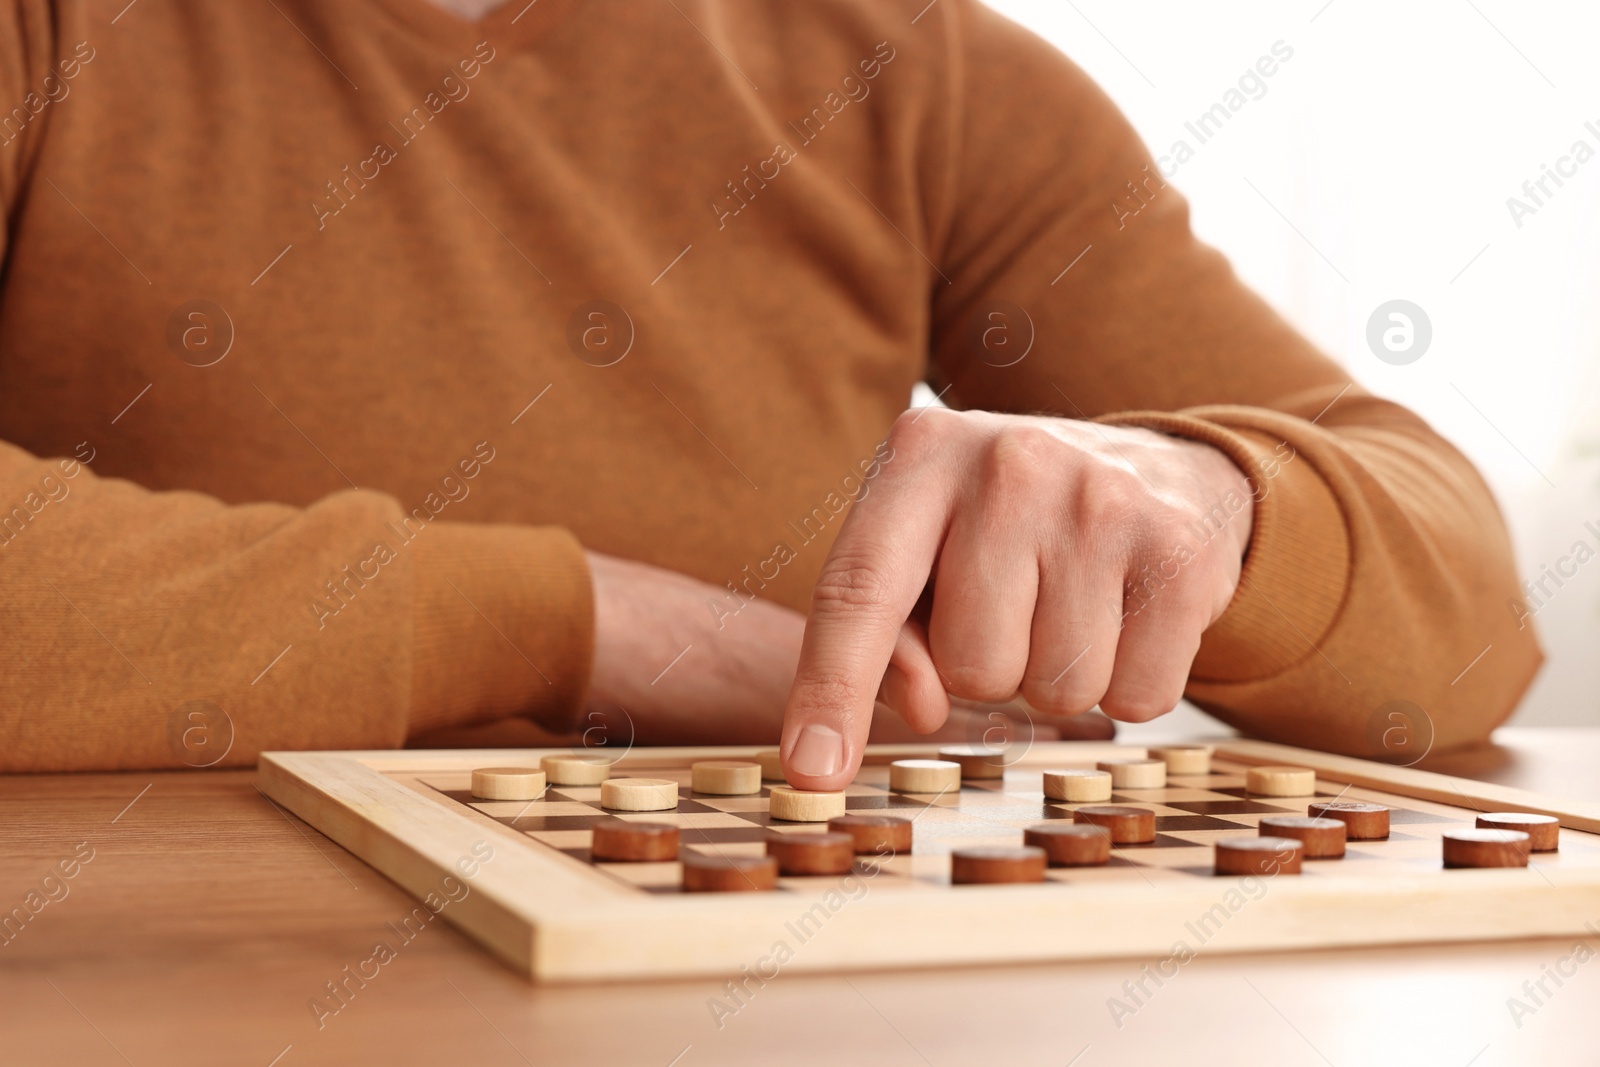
(660, 656)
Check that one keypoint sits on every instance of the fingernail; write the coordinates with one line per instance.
(818, 751)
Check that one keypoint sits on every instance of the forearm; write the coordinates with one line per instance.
(1380, 580)
(344, 624)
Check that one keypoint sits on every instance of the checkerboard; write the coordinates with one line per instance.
(1191, 813)
(547, 907)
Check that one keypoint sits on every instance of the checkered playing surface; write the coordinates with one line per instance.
(1191, 813)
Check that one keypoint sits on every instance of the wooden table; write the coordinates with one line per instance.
(208, 920)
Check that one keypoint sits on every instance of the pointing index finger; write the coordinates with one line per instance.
(867, 588)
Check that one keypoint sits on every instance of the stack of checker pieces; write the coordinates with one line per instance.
(733, 833)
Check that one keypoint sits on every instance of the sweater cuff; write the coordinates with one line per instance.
(502, 625)
(1297, 567)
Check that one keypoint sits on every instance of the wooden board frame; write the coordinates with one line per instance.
(555, 919)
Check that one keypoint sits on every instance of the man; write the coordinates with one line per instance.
(378, 368)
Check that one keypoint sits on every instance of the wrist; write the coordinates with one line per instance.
(1228, 492)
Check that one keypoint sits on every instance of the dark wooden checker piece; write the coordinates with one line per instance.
(1544, 831)
(1069, 844)
(728, 874)
(812, 853)
(1323, 838)
(991, 865)
(1485, 848)
(1128, 826)
(977, 761)
(1362, 822)
(634, 842)
(875, 834)
(1259, 855)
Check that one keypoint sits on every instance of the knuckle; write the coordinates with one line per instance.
(1182, 599)
(1111, 497)
(1058, 699)
(1066, 685)
(1139, 701)
(1077, 700)
(918, 431)
(1021, 451)
(975, 681)
(852, 585)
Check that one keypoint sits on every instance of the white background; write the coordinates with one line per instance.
(1391, 142)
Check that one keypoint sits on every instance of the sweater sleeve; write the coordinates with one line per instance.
(167, 629)
(1379, 575)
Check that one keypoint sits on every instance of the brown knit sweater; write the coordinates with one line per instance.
(330, 331)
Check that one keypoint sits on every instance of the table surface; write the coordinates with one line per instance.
(209, 919)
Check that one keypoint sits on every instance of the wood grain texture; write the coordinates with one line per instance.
(1078, 785)
(1363, 822)
(771, 762)
(638, 794)
(1281, 781)
(1323, 838)
(802, 805)
(1544, 831)
(1184, 759)
(1579, 814)
(924, 776)
(508, 783)
(1262, 856)
(812, 853)
(994, 865)
(1480, 847)
(875, 834)
(634, 842)
(574, 926)
(1070, 844)
(1135, 773)
(575, 770)
(209, 917)
(977, 762)
(726, 777)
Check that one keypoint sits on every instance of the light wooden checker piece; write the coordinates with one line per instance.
(924, 776)
(726, 777)
(1281, 781)
(547, 885)
(639, 794)
(575, 770)
(771, 761)
(508, 783)
(802, 805)
(1136, 773)
(1078, 786)
(1184, 759)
